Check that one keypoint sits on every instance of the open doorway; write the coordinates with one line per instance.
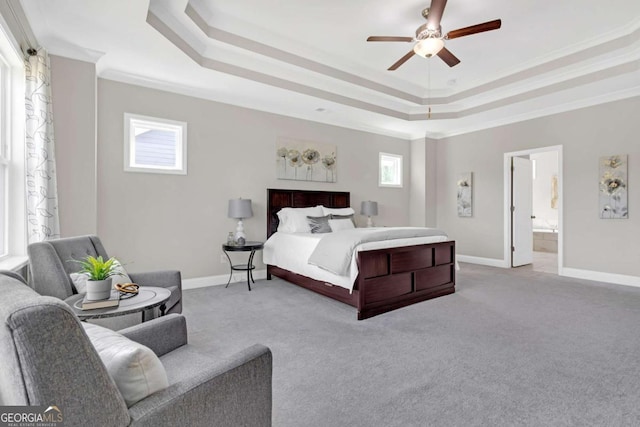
(533, 209)
(545, 211)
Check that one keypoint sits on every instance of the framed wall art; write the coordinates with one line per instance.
(464, 187)
(613, 200)
(306, 160)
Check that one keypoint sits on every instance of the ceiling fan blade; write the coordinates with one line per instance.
(402, 60)
(448, 57)
(435, 13)
(474, 29)
(389, 39)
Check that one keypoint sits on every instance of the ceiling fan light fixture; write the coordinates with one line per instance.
(428, 47)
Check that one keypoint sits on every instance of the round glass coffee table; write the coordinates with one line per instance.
(147, 297)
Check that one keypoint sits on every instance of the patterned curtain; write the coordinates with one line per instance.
(42, 193)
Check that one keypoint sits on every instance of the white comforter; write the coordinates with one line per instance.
(291, 251)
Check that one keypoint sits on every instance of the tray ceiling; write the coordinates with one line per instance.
(310, 59)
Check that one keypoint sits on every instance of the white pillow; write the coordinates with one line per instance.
(135, 368)
(337, 211)
(340, 224)
(80, 282)
(80, 279)
(294, 220)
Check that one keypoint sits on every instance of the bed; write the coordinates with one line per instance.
(388, 278)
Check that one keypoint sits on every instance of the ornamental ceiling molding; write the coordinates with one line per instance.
(617, 55)
(556, 76)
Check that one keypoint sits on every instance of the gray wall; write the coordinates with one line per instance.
(73, 91)
(169, 221)
(160, 221)
(422, 204)
(418, 187)
(590, 243)
(431, 197)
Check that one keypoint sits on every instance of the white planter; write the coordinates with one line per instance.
(98, 289)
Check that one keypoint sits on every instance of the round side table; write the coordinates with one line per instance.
(147, 297)
(248, 267)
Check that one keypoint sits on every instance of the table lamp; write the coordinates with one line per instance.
(240, 209)
(369, 209)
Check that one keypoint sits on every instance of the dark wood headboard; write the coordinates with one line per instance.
(278, 199)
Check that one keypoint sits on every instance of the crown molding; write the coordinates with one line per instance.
(524, 93)
(76, 52)
(569, 71)
(546, 111)
(299, 61)
(215, 96)
(554, 61)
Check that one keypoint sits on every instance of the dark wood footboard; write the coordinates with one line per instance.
(396, 277)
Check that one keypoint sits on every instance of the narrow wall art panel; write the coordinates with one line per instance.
(305, 160)
(613, 187)
(465, 194)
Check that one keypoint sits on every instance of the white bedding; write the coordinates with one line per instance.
(291, 251)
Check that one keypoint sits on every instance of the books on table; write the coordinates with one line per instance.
(112, 301)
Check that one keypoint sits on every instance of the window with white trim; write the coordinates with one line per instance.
(390, 172)
(13, 216)
(4, 167)
(154, 145)
(4, 157)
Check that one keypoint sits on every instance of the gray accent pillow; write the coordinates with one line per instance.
(344, 217)
(319, 224)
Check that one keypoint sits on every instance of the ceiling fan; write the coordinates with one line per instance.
(429, 38)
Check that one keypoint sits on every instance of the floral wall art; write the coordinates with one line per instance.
(465, 186)
(613, 187)
(305, 160)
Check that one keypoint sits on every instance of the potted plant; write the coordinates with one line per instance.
(99, 274)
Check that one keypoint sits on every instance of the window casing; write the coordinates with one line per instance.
(5, 151)
(4, 214)
(154, 145)
(13, 215)
(390, 170)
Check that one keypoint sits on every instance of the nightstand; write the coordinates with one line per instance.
(248, 267)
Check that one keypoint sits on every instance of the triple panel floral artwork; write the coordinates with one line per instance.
(613, 187)
(305, 161)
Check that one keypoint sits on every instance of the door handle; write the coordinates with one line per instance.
(533, 217)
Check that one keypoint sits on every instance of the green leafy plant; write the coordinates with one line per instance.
(98, 268)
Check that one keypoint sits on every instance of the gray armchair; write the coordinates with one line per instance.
(50, 269)
(47, 359)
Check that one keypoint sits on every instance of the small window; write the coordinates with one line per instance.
(154, 145)
(390, 174)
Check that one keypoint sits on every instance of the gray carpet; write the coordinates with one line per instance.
(510, 347)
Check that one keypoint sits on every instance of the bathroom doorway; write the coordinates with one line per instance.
(542, 222)
(544, 216)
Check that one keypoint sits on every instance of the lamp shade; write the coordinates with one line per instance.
(240, 208)
(428, 47)
(369, 208)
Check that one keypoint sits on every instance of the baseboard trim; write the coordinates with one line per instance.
(599, 276)
(491, 262)
(203, 282)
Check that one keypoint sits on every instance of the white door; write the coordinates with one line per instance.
(521, 211)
